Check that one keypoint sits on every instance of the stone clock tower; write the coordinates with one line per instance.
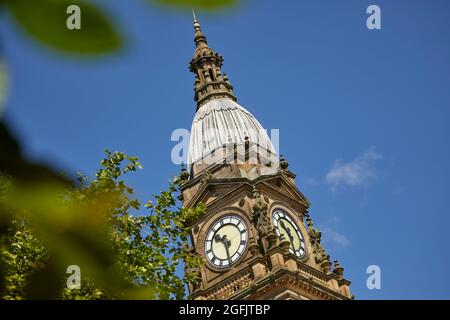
(257, 238)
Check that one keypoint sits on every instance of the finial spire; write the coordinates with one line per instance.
(206, 64)
(199, 37)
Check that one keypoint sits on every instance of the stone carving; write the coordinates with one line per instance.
(184, 175)
(261, 221)
(259, 214)
(326, 264)
(338, 269)
(253, 247)
(320, 256)
(192, 269)
(284, 244)
(207, 176)
(315, 234)
(283, 163)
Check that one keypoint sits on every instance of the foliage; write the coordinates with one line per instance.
(21, 253)
(150, 246)
(88, 291)
(46, 225)
(147, 249)
(45, 20)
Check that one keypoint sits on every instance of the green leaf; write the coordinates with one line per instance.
(120, 255)
(45, 20)
(198, 4)
(14, 164)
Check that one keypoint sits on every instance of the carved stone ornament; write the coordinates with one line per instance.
(191, 269)
(184, 175)
(284, 244)
(194, 271)
(326, 264)
(259, 214)
(272, 238)
(206, 177)
(253, 247)
(338, 269)
(283, 163)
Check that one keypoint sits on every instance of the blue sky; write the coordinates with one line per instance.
(363, 115)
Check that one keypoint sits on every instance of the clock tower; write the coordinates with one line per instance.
(257, 238)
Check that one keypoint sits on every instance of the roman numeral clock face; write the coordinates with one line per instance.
(226, 241)
(285, 225)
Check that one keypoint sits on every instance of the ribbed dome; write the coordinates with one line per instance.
(222, 121)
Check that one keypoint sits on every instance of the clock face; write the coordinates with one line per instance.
(226, 241)
(285, 225)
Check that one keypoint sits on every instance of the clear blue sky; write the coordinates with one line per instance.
(363, 115)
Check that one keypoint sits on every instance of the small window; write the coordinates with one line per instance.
(211, 74)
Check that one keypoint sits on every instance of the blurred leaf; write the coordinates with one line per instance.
(46, 20)
(74, 234)
(198, 4)
(44, 283)
(90, 225)
(3, 85)
(14, 164)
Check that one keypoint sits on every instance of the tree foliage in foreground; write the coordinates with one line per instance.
(147, 247)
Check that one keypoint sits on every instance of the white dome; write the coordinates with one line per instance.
(222, 121)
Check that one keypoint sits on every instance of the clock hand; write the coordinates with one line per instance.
(288, 231)
(218, 238)
(226, 243)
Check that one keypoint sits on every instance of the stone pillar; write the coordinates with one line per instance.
(333, 284)
(291, 264)
(259, 271)
(345, 290)
(277, 261)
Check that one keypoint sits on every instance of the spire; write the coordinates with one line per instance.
(199, 37)
(210, 82)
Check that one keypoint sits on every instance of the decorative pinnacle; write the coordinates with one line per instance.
(210, 82)
(184, 175)
(199, 36)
